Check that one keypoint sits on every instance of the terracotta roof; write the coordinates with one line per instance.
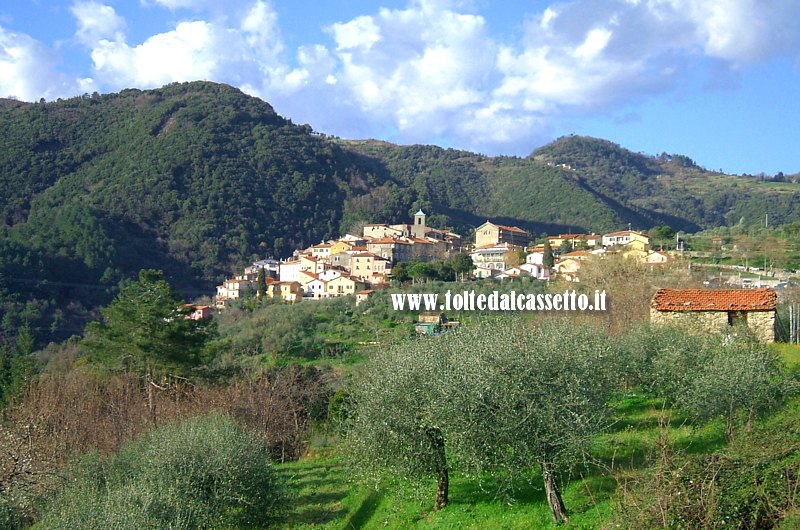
(626, 233)
(714, 300)
(512, 229)
(577, 254)
(568, 236)
(387, 241)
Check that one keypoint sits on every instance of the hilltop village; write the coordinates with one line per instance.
(358, 265)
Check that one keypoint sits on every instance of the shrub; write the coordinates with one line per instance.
(201, 473)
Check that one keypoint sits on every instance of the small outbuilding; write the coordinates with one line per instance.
(714, 310)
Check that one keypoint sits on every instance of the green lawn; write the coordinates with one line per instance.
(322, 496)
(790, 353)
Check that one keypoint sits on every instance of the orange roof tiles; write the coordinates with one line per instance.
(714, 300)
(626, 233)
(387, 241)
(512, 229)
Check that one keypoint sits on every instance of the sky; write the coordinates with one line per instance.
(716, 80)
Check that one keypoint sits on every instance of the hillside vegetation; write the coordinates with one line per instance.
(196, 179)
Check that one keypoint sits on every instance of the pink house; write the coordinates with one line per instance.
(199, 312)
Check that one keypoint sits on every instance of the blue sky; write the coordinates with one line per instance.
(717, 80)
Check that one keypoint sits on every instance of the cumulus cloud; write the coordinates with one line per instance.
(244, 51)
(97, 22)
(421, 67)
(28, 69)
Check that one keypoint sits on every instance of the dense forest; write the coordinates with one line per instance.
(197, 179)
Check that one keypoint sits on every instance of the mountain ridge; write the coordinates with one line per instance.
(199, 178)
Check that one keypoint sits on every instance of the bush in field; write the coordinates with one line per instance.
(664, 359)
(739, 376)
(708, 376)
(492, 397)
(201, 473)
(752, 483)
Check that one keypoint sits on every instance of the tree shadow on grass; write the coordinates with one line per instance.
(315, 495)
(365, 511)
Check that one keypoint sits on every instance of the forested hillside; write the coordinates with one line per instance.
(197, 179)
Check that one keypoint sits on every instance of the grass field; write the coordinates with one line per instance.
(790, 353)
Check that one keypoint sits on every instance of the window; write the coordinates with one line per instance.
(737, 318)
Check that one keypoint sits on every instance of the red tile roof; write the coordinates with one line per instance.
(714, 300)
(626, 233)
(512, 229)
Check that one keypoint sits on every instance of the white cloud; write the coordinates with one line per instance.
(28, 69)
(182, 4)
(96, 22)
(420, 67)
(245, 52)
(187, 53)
(361, 32)
(744, 31)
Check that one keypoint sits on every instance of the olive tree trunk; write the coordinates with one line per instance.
(442, 473)
(557, 508)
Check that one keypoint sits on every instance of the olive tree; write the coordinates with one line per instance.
(741, 375)
(497, 395)
(539, 398)
(706, 375)
(401, 404)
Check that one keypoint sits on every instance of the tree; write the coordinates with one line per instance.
(395, 423)
(421, 271)
(145, 330)
(742, 375)
(547, 259)
(706, 375)
(462, 264)
(494, 396)
(551, 383)
(17, 365)
(262, 284)
(661, 234)
(205, 472)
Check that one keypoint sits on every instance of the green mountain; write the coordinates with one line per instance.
(198, 179)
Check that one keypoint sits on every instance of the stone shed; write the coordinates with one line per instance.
(715, 310)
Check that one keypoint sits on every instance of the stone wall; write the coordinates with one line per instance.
(762, 323)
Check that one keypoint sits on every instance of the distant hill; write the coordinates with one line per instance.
(198, 178)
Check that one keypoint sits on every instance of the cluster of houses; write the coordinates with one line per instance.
(357, 265)
(350, 265)
(498, 249)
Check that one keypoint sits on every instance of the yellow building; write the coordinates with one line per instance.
(629, 238)
(491, 234)
(341, 246)
(344, 285)
(286, 291)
